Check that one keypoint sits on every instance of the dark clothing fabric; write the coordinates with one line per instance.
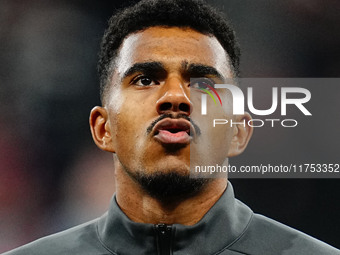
(229, 228)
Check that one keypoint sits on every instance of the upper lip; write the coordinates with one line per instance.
(174, 125)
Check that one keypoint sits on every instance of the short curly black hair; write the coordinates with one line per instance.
(194, 14)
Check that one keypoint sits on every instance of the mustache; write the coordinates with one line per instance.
(171, 116)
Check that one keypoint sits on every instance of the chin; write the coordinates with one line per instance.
(172, 185)
(172, 165)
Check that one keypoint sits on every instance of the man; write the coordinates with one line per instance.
(150, 121)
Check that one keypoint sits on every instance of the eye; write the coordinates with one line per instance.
(144, 81)
(202, 83)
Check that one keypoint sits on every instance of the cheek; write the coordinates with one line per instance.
(126, 138)
(218, 138)
(214, 142)
(213, 145)
(131, 123)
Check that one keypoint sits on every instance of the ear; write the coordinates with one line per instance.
(100, 129)
(242, 133)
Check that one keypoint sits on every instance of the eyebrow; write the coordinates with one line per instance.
(199, 70)
(148, 68)
(193, 70)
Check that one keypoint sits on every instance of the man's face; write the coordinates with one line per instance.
(149, 107)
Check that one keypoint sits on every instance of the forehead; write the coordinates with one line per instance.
(172, 46)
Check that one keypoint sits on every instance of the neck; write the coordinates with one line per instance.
(139, 206)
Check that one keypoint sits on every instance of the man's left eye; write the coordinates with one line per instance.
(202, 83)
(145, 81)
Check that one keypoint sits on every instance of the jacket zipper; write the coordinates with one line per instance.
(164, 239)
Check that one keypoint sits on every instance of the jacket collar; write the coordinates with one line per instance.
(218, 229)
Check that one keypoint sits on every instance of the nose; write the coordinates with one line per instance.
(174, 98)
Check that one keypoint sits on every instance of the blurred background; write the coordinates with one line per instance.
(53, 177)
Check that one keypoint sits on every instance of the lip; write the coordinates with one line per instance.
(173, 131)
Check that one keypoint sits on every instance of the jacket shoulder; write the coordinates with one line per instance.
(82, 239)
(266, 236)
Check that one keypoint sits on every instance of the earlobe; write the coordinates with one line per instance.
(100, 129)
(241, 135)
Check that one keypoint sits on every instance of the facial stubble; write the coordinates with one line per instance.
(169, 186)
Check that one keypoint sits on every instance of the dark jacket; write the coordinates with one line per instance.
(229, 228)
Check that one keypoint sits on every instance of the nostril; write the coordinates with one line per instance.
(184, 107)
(165, 107)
